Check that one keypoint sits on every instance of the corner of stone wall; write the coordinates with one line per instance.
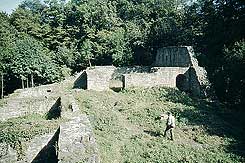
(200, 72)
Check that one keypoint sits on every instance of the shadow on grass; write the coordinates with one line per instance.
(153, 133)
(177, 96)
(216, 119)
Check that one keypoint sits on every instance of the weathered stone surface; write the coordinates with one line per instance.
(98, 77)
(40, 91)
(164, 76)
(173, 67)
(76, 140)
(7, 154)
(22, 106)
(36, 145)
(30, 100)
(49, 153)
(75, 135)
(201, 75)
(179, 68)
(172, 57)
(119, 71)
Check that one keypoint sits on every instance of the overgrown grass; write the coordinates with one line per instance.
(16, 131)
(127, 127)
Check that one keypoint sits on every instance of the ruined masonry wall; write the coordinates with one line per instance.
(200, 71)
(169, 63)
(172, 57)
(98, 78)
(164, 76)
(28, 101)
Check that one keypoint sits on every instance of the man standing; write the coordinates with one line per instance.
(170, 125)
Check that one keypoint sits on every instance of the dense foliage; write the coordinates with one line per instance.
(40, 41)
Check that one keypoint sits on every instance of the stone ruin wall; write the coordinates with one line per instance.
(182, 56)
(164, 76)
(170, 62)
(98, 78)
(69, 143)
(29, 101)
(172, 57)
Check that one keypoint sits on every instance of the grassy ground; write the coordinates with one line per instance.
(127, 127)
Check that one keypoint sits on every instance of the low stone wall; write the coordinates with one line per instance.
(73, 141)
(21, 106)
(28, 101)
(43, 148)
(102, 78)
(38, 99)
(164, 76)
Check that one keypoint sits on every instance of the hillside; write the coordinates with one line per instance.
(127, 128)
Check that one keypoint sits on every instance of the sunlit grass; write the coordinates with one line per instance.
(127, 127)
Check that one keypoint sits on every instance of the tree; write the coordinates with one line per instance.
(234, 77)
(7, 37)
(220, 42)
(31, 60)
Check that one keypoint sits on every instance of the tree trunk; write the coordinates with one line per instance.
(22, 82)
(32, 81)
(27, 82)
(90, 65)
(2, 85)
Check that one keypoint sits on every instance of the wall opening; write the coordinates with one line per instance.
(181, 82)
(116, 85)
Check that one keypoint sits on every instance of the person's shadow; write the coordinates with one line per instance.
(153, 133)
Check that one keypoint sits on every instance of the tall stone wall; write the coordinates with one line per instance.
(172, 57)
(200, 71)
(183, 56)
(164, 76)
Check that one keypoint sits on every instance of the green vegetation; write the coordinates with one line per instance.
(43, 41)
(17, 131)
(128, 129)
